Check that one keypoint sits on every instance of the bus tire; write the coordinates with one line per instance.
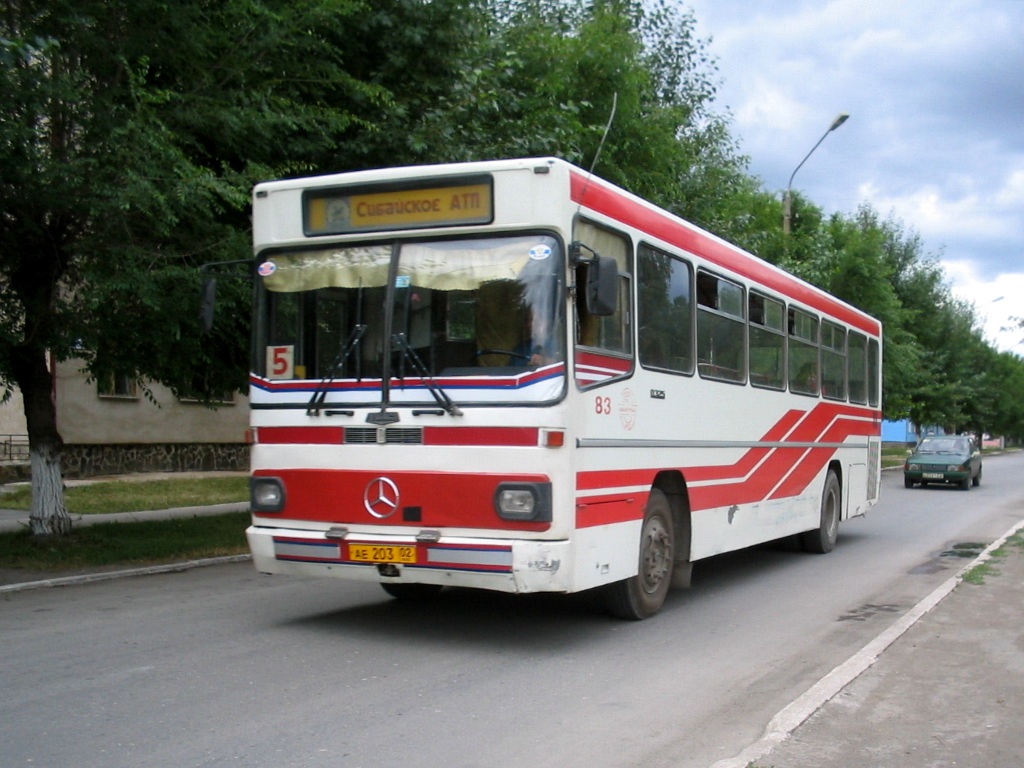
(642, 595)
(410, 592)
(822, 540)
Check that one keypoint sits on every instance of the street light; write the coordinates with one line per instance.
(787, 203)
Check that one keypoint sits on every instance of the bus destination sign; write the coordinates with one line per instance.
(340, 211)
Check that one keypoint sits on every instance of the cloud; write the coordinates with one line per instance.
(936, 99)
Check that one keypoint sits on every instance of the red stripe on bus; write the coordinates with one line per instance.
(424, 499)
(794, 468)
(300, 435)
(621, 509)
(750, 459)
(588, 481)
(490, 436)
(447, 436)
(817, 458)
(592, 193)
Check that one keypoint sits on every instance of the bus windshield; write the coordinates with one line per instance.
(389, 322)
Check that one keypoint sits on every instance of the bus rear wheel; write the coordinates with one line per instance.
(641, 596)
(822, 539)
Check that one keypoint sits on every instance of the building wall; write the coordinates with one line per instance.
(122, 434)
(84, 417)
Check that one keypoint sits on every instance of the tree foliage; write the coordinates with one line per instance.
(132, 131)
(130, 135)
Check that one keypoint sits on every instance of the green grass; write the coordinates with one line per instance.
(127, 544)
(894, 457)
(131, 544)
(978, 573)
(136, 496)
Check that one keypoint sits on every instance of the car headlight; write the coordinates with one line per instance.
(266, 494)
(524, 501)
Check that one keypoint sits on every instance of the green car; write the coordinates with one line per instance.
(951, 459)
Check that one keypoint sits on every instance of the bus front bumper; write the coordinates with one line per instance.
(498, 564)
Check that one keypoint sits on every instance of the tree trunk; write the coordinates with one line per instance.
(48, 515)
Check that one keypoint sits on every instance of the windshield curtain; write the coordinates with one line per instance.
(481, 317)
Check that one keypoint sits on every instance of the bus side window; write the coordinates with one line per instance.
(857, 367)
(804, 372)
(721, 329)
(874, 363)
(608, 332)
(665, 308)
(833, 361)
(767, 342)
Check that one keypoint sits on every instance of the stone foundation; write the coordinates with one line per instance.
(93, 460)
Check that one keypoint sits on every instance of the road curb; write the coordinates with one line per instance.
(792, 716)
(87, 578)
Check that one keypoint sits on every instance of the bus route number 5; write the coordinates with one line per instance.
(281, 362)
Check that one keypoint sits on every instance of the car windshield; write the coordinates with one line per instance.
(943, 445)
(474, 320)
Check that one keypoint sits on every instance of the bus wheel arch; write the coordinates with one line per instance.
(822, 540)
(673, 485)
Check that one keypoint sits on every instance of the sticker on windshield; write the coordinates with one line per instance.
(403, 281)
(267, 268)
(540, 252)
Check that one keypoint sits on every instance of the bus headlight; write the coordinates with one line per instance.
(524, 501)
(266, 494)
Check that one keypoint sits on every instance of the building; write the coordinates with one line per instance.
(113, 427)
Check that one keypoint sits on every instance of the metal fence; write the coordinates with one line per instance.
(13, 447)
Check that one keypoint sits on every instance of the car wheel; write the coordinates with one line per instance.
(977, 479)
(965, 484)
(908, 483)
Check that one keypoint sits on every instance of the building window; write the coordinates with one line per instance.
(117, 386)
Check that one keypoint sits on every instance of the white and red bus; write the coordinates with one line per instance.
(515, 376)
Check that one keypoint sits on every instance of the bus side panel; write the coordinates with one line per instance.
(606, 553)
(726, 529)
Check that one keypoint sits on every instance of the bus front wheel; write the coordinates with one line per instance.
(641, 596)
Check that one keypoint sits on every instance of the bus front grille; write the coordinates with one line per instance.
(383, 435)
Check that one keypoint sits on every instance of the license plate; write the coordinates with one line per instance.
(932, 475)
(382, 553)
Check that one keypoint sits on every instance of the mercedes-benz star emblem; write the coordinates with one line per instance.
(381, 497)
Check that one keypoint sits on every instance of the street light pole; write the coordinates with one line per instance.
(787, 202)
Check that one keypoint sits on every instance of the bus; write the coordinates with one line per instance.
(512, 375)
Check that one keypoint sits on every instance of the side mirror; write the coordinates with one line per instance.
(207, 302)
(602, 286)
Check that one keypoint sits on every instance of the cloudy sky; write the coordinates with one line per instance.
(935, 94)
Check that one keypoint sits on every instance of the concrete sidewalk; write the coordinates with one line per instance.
(947, 691)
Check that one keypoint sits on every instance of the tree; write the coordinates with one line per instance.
(131, 132)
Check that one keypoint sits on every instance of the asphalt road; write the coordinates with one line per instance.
(221, 666)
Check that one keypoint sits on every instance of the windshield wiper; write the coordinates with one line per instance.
(316, 403)
(439, 394)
